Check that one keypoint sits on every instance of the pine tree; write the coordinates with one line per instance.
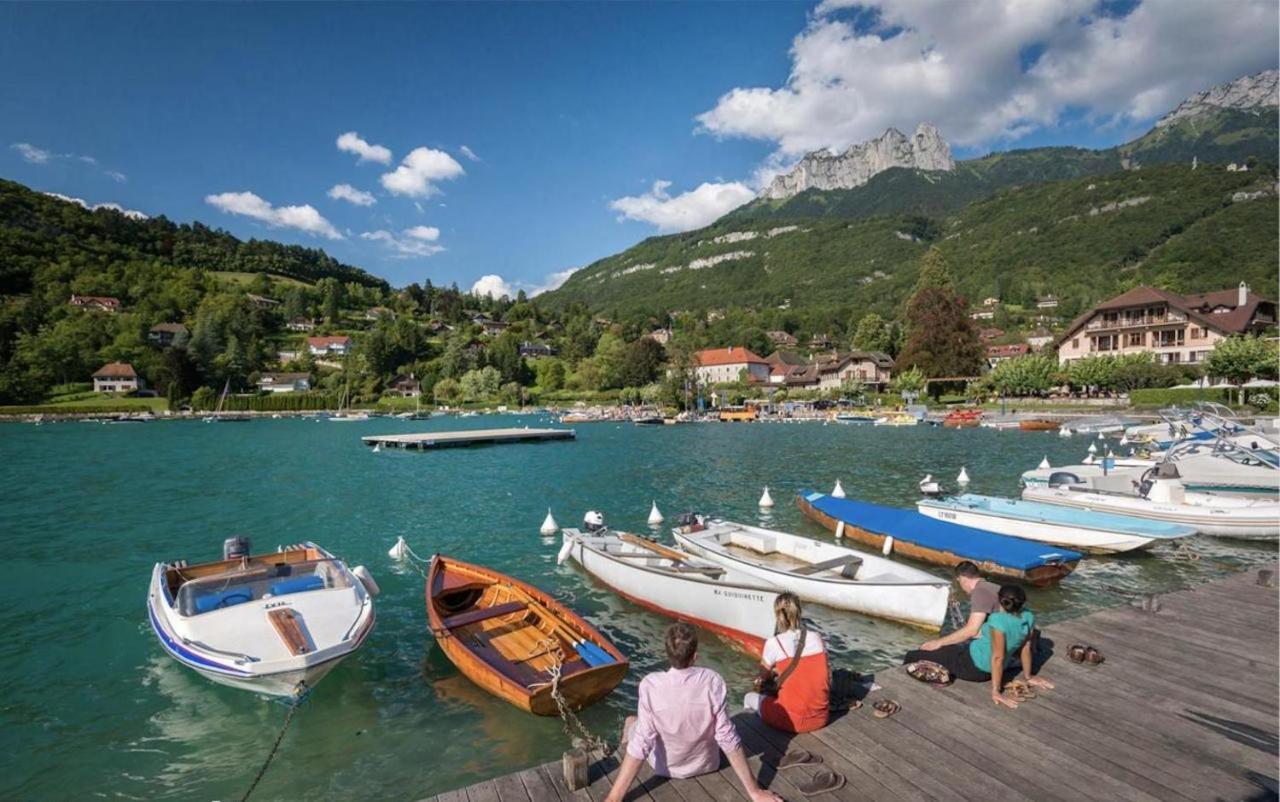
(941, 340)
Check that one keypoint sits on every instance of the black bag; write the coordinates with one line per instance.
(773, 683)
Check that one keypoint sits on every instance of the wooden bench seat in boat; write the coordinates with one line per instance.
(848, 562)
(482, 614)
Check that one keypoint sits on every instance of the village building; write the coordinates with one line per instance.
(533, 350)
(287, 356)
(1049, 301)
(999, 353)
(163, 335)
(284, 382)
(819, 342)
(329, 346)
(95, 303)
(660, 336)
(717, 365)
(990, 333)
(1039, 339)
(491, 327)
(982, 313)
(376, 312)
(782, 339)
(405, 386)
(117, 377)
(783, 364)
(1175, 328)
(301, 324)
(871, 368)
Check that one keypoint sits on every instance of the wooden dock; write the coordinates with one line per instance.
(463, 438)
(1184, 708)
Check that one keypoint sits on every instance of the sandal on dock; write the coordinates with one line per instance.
(886, 707)
(1020, 692)
(798, 757)
(1093, 657)
(1076, 652)
(823, 780)
(929, 672)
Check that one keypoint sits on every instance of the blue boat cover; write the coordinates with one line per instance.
(298, 584)
(909, 526)
(225, 598)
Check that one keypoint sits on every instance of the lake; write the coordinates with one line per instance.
(92, 707)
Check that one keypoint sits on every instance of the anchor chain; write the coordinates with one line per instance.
(579, 736)
(301, 691)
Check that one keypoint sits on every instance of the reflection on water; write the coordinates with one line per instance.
(92, 706)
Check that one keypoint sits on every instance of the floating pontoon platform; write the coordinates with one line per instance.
(471, 437)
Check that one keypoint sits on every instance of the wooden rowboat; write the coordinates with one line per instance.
(507, 637)
(1039, 425)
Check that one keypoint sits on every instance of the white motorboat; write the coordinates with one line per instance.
(836, 576)
(273, 623)
(1204, 467)
(1161, 496)
(676, 584)
(1079, 529)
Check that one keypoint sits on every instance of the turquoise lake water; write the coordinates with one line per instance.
(90, 707)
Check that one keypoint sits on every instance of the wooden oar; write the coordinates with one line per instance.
(577, 640)
(657, 548)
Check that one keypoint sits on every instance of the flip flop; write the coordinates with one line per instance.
(823, 780)
(929, 672)
(1020, 692)
(886, 707)
(798, 757)
(1076, 653)
(1093, 657)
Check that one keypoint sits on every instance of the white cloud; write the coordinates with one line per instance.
(32, 153)
(494, 286)
(303, 218)
(425, 233)
(553, 281)
(350, 194)
(469, 153)
(352, 143)
(117, 176)
(960, 65)
(693, 209)
(416, 241)
(132, 214)
(416, 174)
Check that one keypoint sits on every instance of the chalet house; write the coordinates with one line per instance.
(405, 386)
(871, 368)
(536, 350)
(660, 336)
(329, 346)
(491, 327)
(116, 377)
(287, 356)
(784, 364)
(986, 335)
(999, 353)
(1049, 301)
(95, 303)
(716, 365)
(284, 382)
(1039, 339)
(819, 342)
(1176, 328)
(782, 339)
(162, 335)
(301, 324)
(982, 313)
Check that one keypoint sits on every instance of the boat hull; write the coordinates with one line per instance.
(1091, 541)
(741, 613)
(1235, 522)
(1039, 576)
(918, 604)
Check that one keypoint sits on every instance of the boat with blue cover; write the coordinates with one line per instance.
(1086, 530)
(910, 534)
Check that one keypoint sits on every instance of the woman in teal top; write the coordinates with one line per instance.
(1005, 633)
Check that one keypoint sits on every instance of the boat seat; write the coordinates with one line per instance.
(297, 584)
(848, 563)
(225, 598)
(482, 614)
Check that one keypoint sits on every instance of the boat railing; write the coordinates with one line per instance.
(225, 590)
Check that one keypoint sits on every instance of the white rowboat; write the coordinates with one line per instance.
(836, 576)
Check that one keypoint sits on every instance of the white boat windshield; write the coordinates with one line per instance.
(260, 582)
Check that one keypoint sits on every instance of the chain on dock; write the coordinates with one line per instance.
(579, 735)
(300, 695)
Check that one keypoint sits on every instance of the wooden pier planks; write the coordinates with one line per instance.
(461, 439)
(1184, 708)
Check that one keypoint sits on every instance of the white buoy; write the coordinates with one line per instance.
(1100, 437)
(766, 500)
(1044, 463)
(1064, 432)
(366, 579)
(1124, 439)
(400, 550)
(549, 526)
(888, 546)
(1088, 460)
(565, 550)
(377, 447)
(838, 490)
(929, 487)
(655, 517)
(1093, 448)
(963, 478)
(839, 529)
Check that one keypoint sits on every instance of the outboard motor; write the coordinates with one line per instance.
(1064, 479)
(593, 522)
(1163, 484)
(691, 522)
(235, 547)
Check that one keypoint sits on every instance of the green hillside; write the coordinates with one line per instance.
(1082, 239)
(38, 231)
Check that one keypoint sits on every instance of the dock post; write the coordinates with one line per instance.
(1150, 603)
(575, 769)
(1265, 575)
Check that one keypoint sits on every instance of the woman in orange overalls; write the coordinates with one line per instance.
(800, 700)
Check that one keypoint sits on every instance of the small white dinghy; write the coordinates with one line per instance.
(273, 623)
(1161, 496)
(837, 576)
(673, 583)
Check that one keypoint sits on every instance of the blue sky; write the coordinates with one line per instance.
(231, 114)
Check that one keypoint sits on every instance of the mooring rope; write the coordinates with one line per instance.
(300, 695)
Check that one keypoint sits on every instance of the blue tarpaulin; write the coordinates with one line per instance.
(909, 526)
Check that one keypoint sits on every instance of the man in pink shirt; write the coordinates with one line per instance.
(682, 726)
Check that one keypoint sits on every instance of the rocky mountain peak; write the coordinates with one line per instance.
(1252, 92)
(822, 169)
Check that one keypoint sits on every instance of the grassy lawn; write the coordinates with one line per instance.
(233, 277)
(91, 402)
